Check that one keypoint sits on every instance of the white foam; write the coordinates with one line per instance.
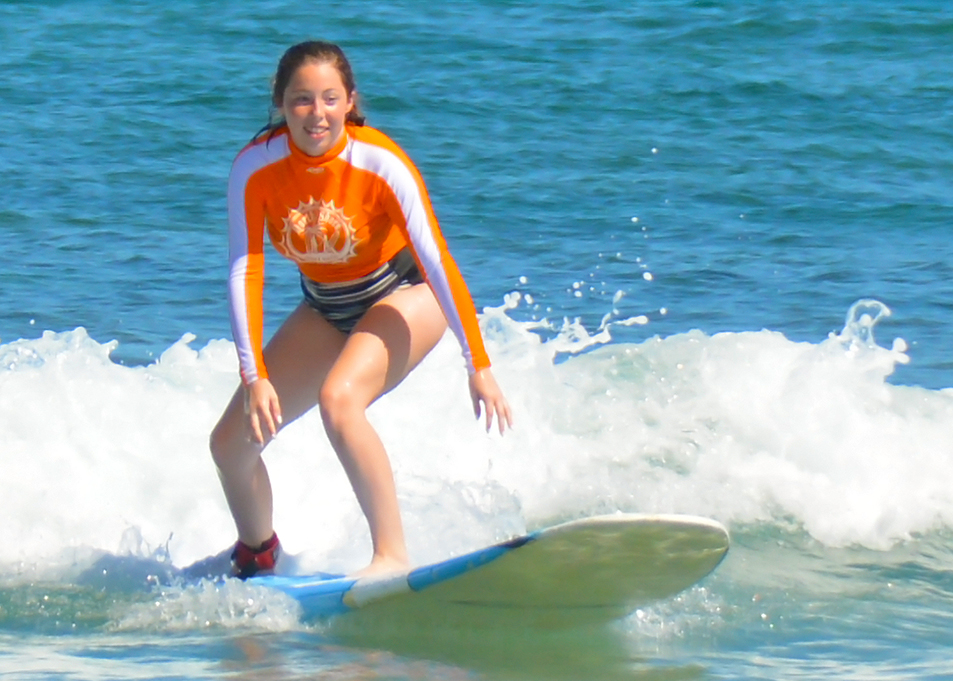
(230, 604)
(744, 427)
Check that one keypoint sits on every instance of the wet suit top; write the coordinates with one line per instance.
(338, 216)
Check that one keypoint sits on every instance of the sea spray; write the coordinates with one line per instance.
(745, 427)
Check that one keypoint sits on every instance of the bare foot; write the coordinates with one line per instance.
(380, 567)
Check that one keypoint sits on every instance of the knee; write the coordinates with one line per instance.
(217, 447)
(227, 447)
(339, 403)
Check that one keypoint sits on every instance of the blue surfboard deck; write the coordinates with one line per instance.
(590, 570)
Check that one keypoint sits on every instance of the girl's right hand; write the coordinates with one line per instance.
(262, 409)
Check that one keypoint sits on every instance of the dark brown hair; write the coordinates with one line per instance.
(296, 56)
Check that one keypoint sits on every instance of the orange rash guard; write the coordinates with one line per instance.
(338, 216)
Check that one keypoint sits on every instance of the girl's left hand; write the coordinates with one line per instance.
(483, 389)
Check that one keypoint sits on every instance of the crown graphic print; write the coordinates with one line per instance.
(318, 232)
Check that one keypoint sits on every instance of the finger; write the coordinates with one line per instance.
(489, 416)
(255, 428)
(270, 424)
(271, 411)
(476, 404)
(503, 417)
(509, 414)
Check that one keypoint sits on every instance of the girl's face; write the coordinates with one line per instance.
(315, 105)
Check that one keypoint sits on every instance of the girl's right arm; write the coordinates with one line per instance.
(246, 230)
(246, 258)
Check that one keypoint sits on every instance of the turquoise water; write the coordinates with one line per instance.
(666, 212)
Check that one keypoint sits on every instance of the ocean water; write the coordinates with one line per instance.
(710, 242)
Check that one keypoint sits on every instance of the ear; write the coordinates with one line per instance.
(351, 100)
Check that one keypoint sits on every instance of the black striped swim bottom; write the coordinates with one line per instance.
(344, 303)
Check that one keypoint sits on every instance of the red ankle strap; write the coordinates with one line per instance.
(249, 560)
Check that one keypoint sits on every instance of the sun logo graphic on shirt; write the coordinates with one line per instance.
(318, 232)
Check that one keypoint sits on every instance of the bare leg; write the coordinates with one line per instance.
(310, 362)
(388, 342)
(298, 358)
(242, 473)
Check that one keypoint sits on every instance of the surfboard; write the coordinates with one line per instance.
(594, 569)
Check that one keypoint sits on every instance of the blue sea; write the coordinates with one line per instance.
(710, 243)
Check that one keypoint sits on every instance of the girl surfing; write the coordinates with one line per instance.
(379, 287)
